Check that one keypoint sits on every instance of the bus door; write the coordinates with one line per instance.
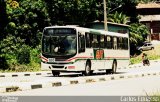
(98, 48)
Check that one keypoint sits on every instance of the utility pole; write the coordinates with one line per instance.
(105, 16)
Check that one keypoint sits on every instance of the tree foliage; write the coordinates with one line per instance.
(119, 18)
(73, 11)
(138, 34)
(3, 18)
(10, 46)
(22, 23)
(26, 19)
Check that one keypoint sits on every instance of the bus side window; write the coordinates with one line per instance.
(108, 43)
(88, 40)
(91, 39)
(102, 41)
(120, 43)
(81, 43)
(125, 41)
(98, 41)
(124, 45)
(95, 41)
(114, 42)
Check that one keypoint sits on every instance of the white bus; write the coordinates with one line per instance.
(77, 49)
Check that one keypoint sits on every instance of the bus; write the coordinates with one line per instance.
(78, 49)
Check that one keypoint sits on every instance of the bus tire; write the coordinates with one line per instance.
(108, 71)
(87, 69)
(55, 73)
(114, 67)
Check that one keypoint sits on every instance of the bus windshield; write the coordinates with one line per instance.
(59, 44)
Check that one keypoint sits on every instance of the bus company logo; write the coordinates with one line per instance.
(99, 54)
(9, 99)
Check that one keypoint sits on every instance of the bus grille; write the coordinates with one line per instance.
(54, 66)
(60, 59)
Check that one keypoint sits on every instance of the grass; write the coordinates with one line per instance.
(32, 67)
(155, 97)
(152, 55)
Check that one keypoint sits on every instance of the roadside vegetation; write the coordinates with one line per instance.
(22, 23)
(154, 97)
(152, 55)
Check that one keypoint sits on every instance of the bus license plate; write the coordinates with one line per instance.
(51, 59)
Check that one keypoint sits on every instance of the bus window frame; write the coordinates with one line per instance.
(88, 40)
(81, 43)
(115, 43)
(102, 41)
(109, 44)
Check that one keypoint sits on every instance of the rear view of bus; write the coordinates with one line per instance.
(58, 45)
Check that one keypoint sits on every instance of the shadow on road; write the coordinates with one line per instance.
(69, 75)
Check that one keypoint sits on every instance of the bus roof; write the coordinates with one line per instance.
(94, 31)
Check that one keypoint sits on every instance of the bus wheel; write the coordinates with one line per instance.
(55, 73)
(87, 69)
(114, 67)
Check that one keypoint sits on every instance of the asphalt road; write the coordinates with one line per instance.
(131, 87)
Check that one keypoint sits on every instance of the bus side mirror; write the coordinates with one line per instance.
(81, 43)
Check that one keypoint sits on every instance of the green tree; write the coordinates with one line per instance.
(72, 11)
(25, 22)
(9, 48)
(3, 23)
(22, 23)
(3, 18)
(127, 6)
(26, 19)
(118, 18)
(138, 34)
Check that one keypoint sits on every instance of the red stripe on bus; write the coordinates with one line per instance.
(44, 58)
(77, 57)
(93, 57)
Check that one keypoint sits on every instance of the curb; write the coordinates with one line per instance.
(19, 74)
(91, 79)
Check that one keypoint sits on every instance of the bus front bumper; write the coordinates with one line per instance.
(59, 67)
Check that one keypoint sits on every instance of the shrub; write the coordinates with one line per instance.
(3, 63)
(35, 61)
(34, 55)
(23, 55)
(135, 60)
